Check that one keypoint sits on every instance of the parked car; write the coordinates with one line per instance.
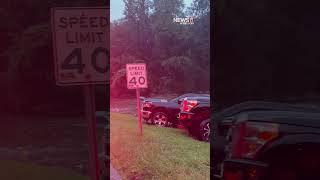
(163, 112)
(195, 116)
(265, 140)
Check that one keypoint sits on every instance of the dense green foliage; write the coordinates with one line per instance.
(177, 56)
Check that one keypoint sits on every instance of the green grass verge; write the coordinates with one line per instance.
(160, 153)
(12, 170)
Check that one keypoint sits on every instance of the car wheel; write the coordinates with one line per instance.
(160, 119)
(205, 130)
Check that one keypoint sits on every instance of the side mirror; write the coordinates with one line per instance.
(180, 101)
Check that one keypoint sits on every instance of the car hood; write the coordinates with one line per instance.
(306, 119)
(144, 99)
(264, 105)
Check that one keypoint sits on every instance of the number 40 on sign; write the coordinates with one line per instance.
(136, 76)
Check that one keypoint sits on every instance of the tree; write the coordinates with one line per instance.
(140, 36)
(173, 52)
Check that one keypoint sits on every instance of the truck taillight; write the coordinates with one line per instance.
(249, 137)
(187, 105)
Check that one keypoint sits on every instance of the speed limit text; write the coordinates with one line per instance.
(84, 28)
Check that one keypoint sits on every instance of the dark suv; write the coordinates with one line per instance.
(195, 116)
(163, 112)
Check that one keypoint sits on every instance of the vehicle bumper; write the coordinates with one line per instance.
(239, 169)
(146, 114)
(185, 119)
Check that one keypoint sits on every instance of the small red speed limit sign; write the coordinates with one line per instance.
(136, 76)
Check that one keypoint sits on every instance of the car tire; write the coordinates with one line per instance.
(160, 119)
(205, 130)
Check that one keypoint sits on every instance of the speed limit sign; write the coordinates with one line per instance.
(81, 45)
(136, 76)
(136, 79)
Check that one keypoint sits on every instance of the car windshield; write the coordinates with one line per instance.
(179, 97)
(189, 95)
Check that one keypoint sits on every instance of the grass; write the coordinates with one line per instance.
(160, 153)
(13, 170)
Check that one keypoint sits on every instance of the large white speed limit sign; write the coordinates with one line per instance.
(81, 45)
(136, 76)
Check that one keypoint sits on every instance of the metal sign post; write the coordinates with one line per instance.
(92, 133)
(137, 79)
(139, 110)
